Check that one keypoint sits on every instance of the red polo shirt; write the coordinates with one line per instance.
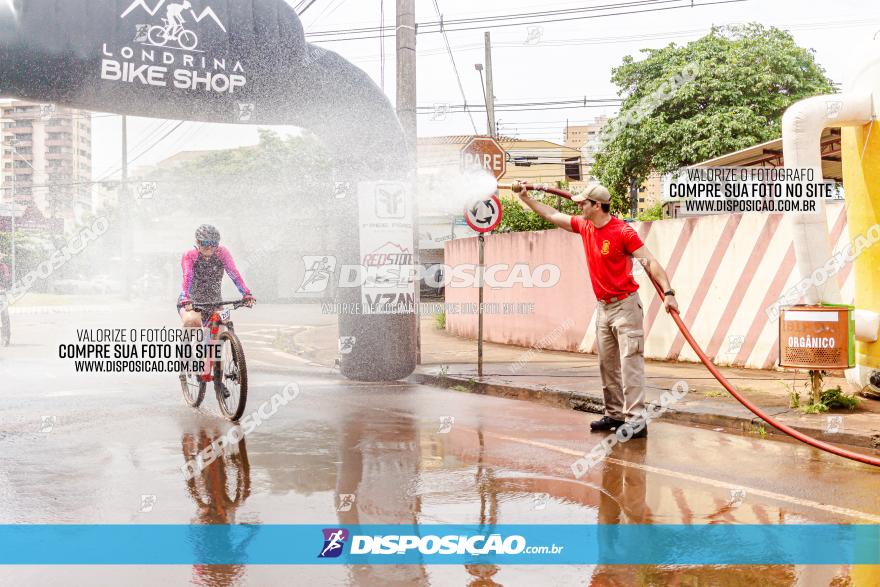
(609, 255)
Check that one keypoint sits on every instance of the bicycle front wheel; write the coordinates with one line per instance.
(230, 383)
(188, 40)
(192, 385)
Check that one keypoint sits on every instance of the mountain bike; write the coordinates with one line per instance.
(229, 372)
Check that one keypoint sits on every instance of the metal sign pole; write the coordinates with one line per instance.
(482, 239)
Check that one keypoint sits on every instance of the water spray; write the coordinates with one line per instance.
(517, 188)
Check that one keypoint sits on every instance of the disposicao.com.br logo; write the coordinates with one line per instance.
(431, 544)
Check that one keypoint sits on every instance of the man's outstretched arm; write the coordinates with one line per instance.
(655, 269)
(547, 212)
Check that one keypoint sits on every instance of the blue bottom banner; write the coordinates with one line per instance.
(72, 544)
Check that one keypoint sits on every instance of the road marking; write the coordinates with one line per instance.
(697, 479)
(252, 361)
(247, 335)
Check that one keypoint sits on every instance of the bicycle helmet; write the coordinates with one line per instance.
(208, 233)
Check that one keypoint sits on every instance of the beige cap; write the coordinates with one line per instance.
(596, 192)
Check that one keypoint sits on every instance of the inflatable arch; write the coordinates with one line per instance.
(121, 56)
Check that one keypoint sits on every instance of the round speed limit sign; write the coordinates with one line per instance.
(484, 215)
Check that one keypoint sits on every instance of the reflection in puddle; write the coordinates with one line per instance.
(217, 489)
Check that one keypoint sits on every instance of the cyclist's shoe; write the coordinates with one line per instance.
(605, 424)
(224, 391)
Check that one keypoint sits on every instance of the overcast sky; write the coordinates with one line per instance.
(554, 61)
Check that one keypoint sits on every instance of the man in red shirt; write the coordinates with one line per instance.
(610, 245)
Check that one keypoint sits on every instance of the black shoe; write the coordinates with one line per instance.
(605, 423)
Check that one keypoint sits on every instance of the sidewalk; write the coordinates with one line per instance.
(571, 381)
(37, 303)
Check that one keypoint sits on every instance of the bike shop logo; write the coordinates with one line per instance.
(334, 542)
(165, 50)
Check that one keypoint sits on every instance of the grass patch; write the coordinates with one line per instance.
(835, 398)
(830, 399)
(758, 430)
(460, 388)
(714, 393)
(440, 320)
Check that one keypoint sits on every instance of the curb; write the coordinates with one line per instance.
(707, 416)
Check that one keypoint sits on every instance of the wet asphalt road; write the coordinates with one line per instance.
(77, 448)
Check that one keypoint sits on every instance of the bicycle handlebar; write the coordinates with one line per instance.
(214, 305)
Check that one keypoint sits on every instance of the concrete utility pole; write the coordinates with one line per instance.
(490, 88)
(406, 70)
(405, 33)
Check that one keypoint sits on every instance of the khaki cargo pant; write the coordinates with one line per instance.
(621, 340)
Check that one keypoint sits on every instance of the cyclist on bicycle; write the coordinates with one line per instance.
(174, 15)
(203, 269)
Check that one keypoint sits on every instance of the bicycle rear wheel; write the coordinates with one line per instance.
(230, 379)
(157, 36)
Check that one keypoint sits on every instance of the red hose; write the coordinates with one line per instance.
(862, 458)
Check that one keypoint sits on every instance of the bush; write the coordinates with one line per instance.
(652, 213)
(517, 218)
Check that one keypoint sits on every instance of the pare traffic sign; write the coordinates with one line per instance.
(484, 215)
(485, 153)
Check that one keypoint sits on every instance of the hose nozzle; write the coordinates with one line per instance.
(516, 187)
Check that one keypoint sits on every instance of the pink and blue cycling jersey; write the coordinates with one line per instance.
(202, 276)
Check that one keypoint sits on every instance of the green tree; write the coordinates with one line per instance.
(279, 174)
(684, 104)
(653, 213)
(517, 218)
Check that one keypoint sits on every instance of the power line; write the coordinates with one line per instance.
(544, 21)
(583, 101)
(454, 67)
(146, 138)
(307, 3)
(329, 10)
(144, 152)
(541, 109)
(804, 25)
(501, 17)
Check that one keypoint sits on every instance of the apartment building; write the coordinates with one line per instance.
(46, 158)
